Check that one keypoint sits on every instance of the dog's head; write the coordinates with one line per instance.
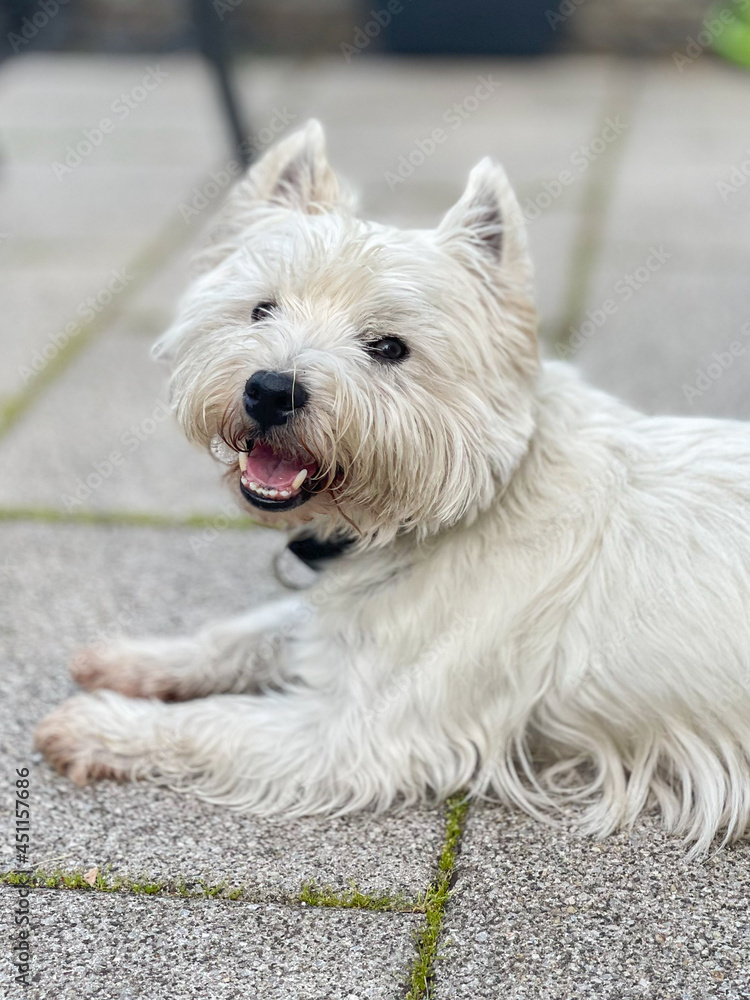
(363, 374)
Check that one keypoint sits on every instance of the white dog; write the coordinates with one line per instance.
(544, 595)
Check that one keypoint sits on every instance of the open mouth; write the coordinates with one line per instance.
(272, 481)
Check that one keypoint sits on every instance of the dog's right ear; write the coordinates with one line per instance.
(295, 173)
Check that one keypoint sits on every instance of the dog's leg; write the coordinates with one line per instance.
(300, 749)
(234, 656)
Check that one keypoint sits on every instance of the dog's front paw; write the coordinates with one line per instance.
(74, 740)
(145, 669)
(107, 669)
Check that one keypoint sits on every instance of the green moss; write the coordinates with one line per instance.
(105, 882)
(49, 515)
(353, 899)
(423, 967)
(211, 891)
(598, 186)
(181, 889)
(147, 888)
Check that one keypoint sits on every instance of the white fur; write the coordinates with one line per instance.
(549, 597)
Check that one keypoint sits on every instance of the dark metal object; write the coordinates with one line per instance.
(212, 42)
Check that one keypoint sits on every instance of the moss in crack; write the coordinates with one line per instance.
(124, 519)
(310, 894)
(104, 882)
(423, 967)
(353, 899)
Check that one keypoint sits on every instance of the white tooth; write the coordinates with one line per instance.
(284, 493)
(243, 480)
(299, 479)
(273, 493)
(254, 486)
(242, 459)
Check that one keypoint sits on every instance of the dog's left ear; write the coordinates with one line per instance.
(485, 229)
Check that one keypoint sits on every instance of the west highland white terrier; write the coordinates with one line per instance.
(540, 594)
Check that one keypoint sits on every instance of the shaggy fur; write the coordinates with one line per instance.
(548, 595)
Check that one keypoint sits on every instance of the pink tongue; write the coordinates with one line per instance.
(266, 468)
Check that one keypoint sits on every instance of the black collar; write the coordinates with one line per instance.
(315, 553)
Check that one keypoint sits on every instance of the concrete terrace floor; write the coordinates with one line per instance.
(642, 264)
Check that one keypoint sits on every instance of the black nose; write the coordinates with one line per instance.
(271, 398)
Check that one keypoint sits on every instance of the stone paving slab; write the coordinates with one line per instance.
(552, 237)
(666, 194)
(92, 946)
(52, 90)
(37, 305)
(672, 182)
(118, 448)
(540, 912)
(66, 586)
(63, 235)
(397, 90)
(536, 117)
(707, 90)
(138, 200)
(656, 349)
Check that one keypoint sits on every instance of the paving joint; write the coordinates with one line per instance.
(427, 938)
(597, 195)
(126, 519)
(76, 880)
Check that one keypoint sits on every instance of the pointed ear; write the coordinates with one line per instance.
(296, 173)
(485, 229)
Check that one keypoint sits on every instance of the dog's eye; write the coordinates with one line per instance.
(263, 310)
(388, 349)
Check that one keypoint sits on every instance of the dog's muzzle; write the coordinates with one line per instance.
(272, 481)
